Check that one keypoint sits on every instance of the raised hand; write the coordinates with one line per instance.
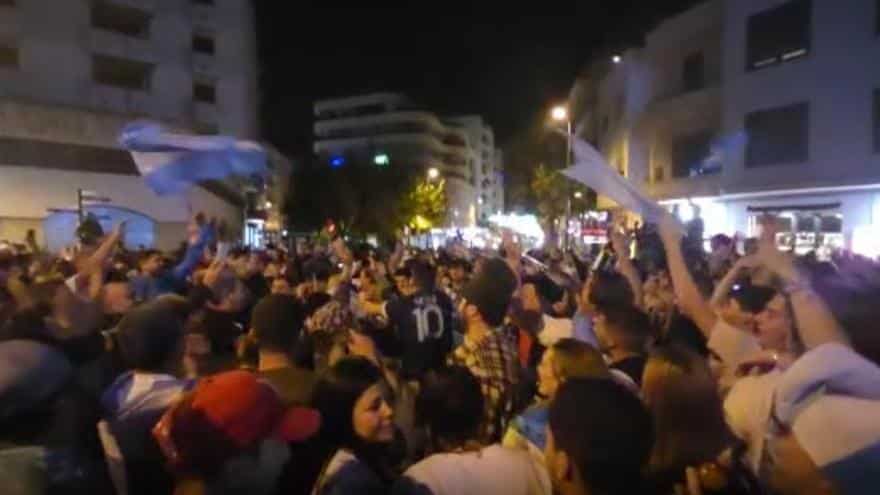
(670, 229)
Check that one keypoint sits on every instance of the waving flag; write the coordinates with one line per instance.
(591, 168)
(173, 163)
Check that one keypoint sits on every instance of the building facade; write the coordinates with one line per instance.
(388, 129)
(486, 165)
(734, 109)
(70, 80)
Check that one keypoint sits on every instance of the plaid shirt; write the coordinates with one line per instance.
(493, 361)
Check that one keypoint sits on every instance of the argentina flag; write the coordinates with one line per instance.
(173, 163)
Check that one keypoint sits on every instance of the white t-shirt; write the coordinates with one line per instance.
(747, 408)
(732, 346)
(494, 469)
(554, 330)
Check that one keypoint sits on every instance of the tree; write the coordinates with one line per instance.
(360, 197)
(549, 188)
(554, 193)
(425, 205)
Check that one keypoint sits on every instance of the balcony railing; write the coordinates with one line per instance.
(203, 64)
(205, 112)
(120, 100)
(119, 45)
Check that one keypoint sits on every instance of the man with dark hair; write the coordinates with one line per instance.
(149, 342)
(276, 324)
(459, 272)
(623, 335)
(451, 404)
(608, 288)
(598, 440)
(156, 278)
(487, 352)
(421, 321)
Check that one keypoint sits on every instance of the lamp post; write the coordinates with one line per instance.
(560, 114)
(433, 173)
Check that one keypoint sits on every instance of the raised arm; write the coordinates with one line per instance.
(193, 253)
(625, 266)
(719, 296)
(99, 257)
(813, 320)
(690, 300)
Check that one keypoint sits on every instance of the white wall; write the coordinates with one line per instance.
(55, 58)
(837, 78)
(28, 193)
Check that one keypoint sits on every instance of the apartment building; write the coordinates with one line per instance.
(734, 109)
(72, 73)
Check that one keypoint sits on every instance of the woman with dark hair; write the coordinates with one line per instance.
(689, 426)
(357, 429)
(450, 405)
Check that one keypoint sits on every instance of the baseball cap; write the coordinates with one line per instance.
(225, 415)
(246, 409)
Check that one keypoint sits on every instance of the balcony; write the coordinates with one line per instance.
(118, 45)
(205, 112)
(120, 100)
(204, 65)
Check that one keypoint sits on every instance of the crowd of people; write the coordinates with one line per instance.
(651, 366)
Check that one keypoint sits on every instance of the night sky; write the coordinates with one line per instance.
(505, 65)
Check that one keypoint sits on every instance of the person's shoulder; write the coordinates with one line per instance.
(406, 485)
(443, 298)
(435, 469)
(351, 476)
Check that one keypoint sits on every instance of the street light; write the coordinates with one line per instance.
(433, 173)
(268, 204)
(578, 195)
(381, 159)
(616, 59)
(560, 114)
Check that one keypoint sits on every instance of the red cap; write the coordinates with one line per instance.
(239, 405)
(298, 424)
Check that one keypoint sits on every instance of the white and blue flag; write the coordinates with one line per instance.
(173, 163)
(591, 169)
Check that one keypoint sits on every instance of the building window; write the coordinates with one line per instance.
(692, 156)
(778, 135)
(121, 72)
(779, 34)
(121, 19)
(63, 156)
(877, 120)
(693, 72)
(203, 44)
(205, 92)
(8, 55)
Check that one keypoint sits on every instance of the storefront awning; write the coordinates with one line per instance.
(801, 207)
